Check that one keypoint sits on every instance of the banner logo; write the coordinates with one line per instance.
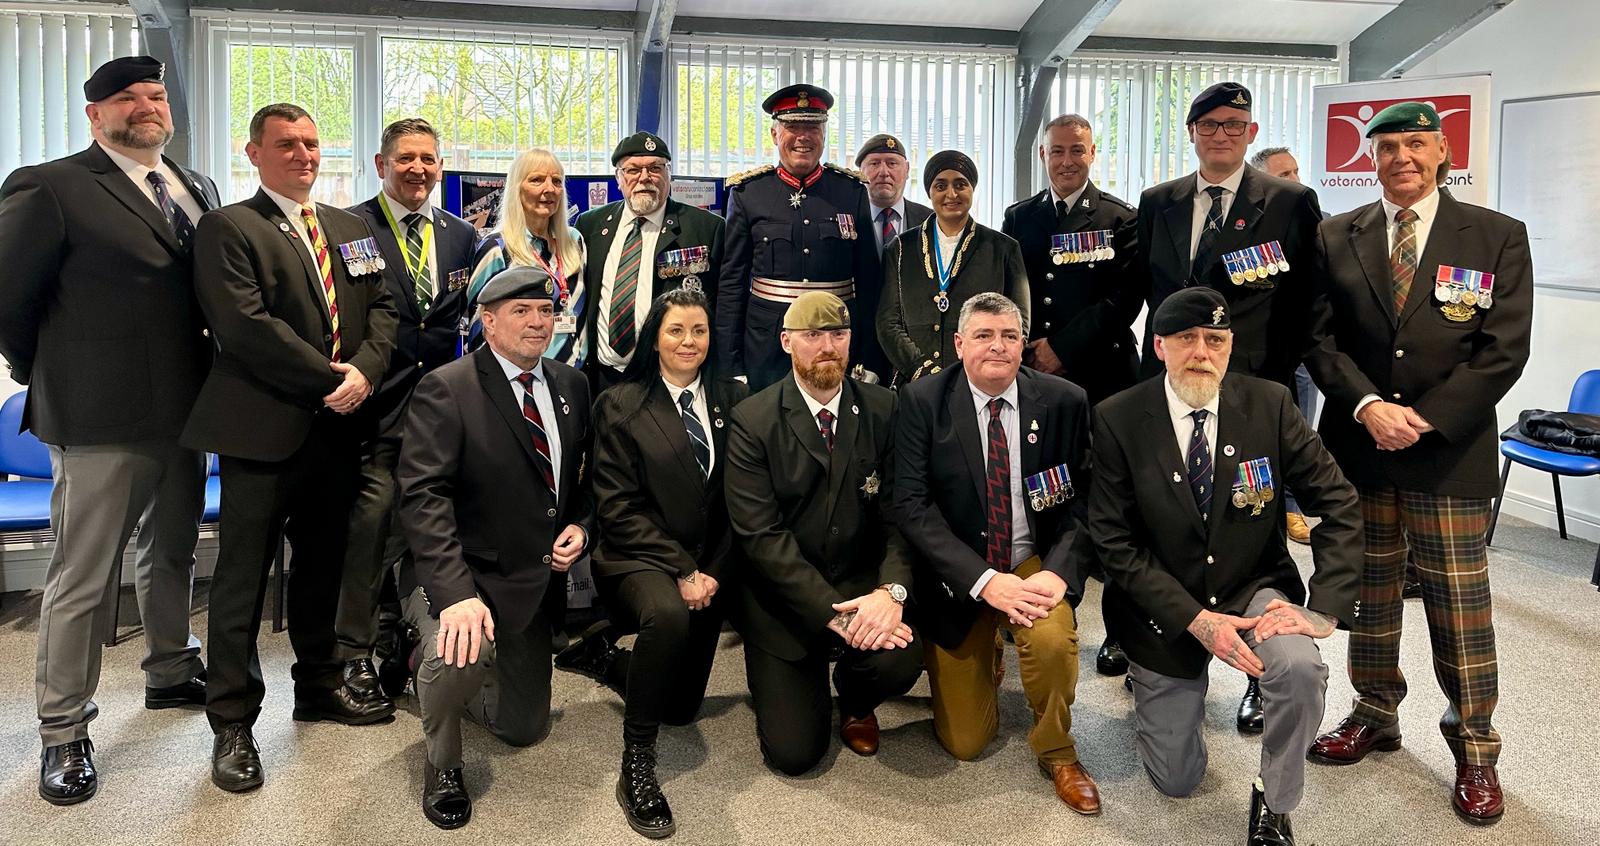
(1347, 127)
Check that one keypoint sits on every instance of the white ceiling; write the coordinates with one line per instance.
(988, 14)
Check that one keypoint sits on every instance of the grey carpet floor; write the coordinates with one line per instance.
(332, 784)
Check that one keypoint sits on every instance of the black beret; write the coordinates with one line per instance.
(800, 102)
(883, 142)
(1230, 94)
(948, 160)
(1405, 117)
(1188, 308)
(641, 144)
(521, 282)
(117, 74)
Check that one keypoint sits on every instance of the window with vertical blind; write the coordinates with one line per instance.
(931, 100)
(1137, 106)
(47, 54)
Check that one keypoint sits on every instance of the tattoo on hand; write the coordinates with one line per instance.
(842, 620)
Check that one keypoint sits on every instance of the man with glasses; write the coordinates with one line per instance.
(1236, 230)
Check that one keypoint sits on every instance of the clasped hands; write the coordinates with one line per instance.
(1393, 426)
(1024, 600)
(871, 622)
(353, 391)
(1219, 633)
(697, 589)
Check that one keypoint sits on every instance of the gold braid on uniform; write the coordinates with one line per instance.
(746, 174)
(961, 252)
(847, 171)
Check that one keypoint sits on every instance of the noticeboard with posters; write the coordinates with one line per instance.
(475, 196)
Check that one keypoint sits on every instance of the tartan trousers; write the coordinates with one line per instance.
(1445, 536)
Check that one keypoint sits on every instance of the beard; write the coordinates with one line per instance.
(642, 202)
(1197, 388)
(144, 135)
(822, 375)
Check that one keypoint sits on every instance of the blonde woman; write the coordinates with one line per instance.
(533, 231)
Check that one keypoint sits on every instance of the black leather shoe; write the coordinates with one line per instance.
(340, 705)
(444, 797)
(639, 794)
(191, 692)
(1111, 660)
(362, 679)
(1267, 828)
(1251, 716)
(592, 655)
(399, 667)
(235, 759)
(66, 772)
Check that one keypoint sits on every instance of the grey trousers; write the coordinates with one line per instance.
(507, 690)
(101, 493)
(374, 544)
(1168, 713)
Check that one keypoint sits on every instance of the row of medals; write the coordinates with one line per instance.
(1251, 274)
(1459, 303)
(1253, 498)
(1073, 257)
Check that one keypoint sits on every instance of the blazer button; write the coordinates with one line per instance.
(419, 364)
(1047, 324)
(206, 333)
(550, 513)
(765, 238)
(806, 250)
(1046, 300)
(1116, 346)
(1049, 276)
(935, 327)
(1396, 394)
(547, 559)
(1210, 560)
(422, 325)
(1399, 353)
(807, 221)
(834, 530)
(1213, 600)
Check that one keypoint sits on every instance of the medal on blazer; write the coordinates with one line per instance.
(361, 257)
(1048, 488)
(847, 226)
(1255, 266)
(455, 280)
(1253, 489)
(1462, 292)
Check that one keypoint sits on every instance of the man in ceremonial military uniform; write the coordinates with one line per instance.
(1421, 324)
(884, 168)
(795, 227)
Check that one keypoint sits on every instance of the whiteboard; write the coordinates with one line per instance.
(1550, 180)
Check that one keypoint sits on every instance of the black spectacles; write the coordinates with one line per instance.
(1233, 128)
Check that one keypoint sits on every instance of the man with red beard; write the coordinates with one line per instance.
(828, 574)
(1196, 575)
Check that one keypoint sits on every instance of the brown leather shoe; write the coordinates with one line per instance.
(1477, 798)
(1299, 532)
(1351, 742)
(860, 734)
(1073, 786)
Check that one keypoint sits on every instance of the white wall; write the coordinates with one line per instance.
(1536, 48)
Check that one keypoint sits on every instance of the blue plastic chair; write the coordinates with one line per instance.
(1585, 400)
(24, 500)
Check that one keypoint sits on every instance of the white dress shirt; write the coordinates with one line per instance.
(542, 399)
(1427, 209)
(698, 405)
(1010, 421)
(899, 221)
(1202, 204)
(291, 210)
(608, 279)
(831, 405)
(140, 174)
(400, 212)
(1183, 424)
(1071, 199)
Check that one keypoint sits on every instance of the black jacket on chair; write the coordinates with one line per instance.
(940, 494)
(97, 310)
(477, 513)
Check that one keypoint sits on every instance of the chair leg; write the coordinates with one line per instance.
(1561, 514)
(1494, 516)
(281, 565)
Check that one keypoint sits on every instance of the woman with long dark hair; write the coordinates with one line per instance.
(664, 542)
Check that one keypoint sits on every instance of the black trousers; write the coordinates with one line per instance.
(793, 712)
(306, 497)
(672, 656)
(374, 544)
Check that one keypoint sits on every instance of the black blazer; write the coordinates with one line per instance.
(422, 342)
(262, 295)
(1451, 372)
(1084, 310)
(97, 313)
(656, 509)
(1165, 566)
(1269, 324)
(940, 491)
(479, 518)
(814, 526)
(684, 226)
(914, 333)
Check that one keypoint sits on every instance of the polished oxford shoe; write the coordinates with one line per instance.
(1251, 717)
(235, 759)
(1267, 828)
(1477, 797)
(444, 797)
(190, 692)
(362, 679)
(66, 772)
(1111, 660)
(639, 794)
(1073, 786)
(859, 734)
(1352, 741)
(340, 705)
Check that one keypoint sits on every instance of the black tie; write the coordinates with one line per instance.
(697, 432)
(1208, 236)
(1199, 463)
(1061, 210)
(181, 225)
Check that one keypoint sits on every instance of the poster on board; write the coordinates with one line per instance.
(1340, 163)
(476, 196)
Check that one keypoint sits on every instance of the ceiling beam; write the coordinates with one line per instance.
(1053, 32)
(1411, 32)
(167, 33)
(650, 36)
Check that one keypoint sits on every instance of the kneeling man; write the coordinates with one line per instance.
(1197, 571)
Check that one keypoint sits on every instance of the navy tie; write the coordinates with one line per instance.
(697, 432)
(1199, 463)
(181, 225)
(1208, 236)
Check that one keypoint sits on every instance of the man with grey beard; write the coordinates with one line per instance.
(639, 248)
(98, 318)
(1197, 572)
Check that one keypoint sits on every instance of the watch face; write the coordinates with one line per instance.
(897, 593)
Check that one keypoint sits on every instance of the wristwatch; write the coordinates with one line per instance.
(897, 592)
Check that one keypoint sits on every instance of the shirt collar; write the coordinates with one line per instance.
(1231, 183)
(899, 210)
(1425, 208)
(654, 218)
(290, 208)
(399, 210)
(980, 399)
(674, 391)
(512, 371)
(1177, 409)
(137, 170)
(832, 405)
(1071, 200)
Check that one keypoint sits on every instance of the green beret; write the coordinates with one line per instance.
(1405, 117)
(1190, 307)
(816, 310)
(117, 74)
(518, 282)
(640, 144)
(1230, 94)
(883, 142)
(801, 102)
